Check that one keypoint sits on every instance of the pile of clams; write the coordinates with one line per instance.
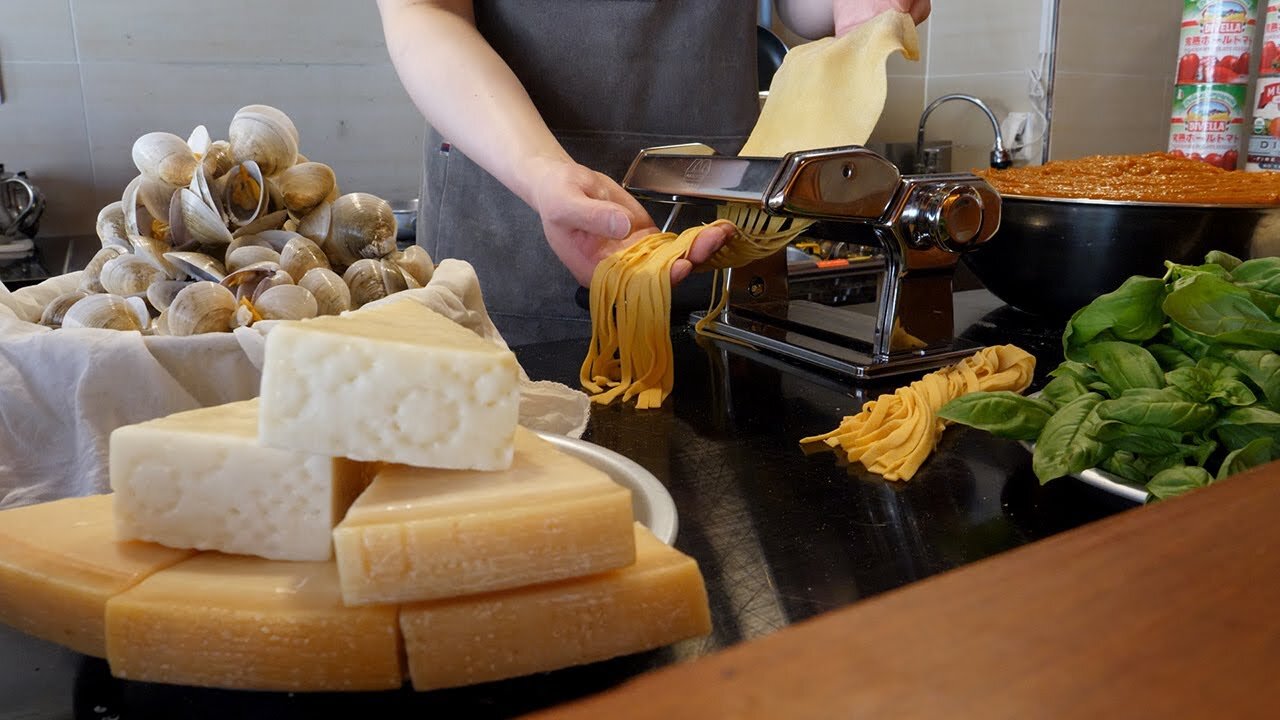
(218, 234)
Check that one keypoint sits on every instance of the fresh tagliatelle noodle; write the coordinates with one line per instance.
(894, 434)
(827, 93)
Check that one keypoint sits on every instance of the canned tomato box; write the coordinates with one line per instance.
(1207, 123)
(1264, 136)
(1215, 41)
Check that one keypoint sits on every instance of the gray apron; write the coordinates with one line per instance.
(610, 77)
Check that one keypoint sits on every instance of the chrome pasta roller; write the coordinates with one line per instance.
(921, 223)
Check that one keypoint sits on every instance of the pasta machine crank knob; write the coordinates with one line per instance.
(950, 216)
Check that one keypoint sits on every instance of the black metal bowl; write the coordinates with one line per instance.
(1052, 256)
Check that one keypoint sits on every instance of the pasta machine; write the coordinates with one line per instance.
(920, 223)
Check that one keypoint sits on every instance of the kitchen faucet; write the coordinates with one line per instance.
(1000, 158)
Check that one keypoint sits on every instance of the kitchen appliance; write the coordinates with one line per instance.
(919, 223)
(21, 206)
(1052, 256)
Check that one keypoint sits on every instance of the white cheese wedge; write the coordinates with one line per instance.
(200, 479)
(418, 533)
(397, 383)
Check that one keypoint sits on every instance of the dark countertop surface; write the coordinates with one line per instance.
(780, 536)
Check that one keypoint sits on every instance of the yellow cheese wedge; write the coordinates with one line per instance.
(397, 383)
(659, 600)
(251, 624)
(419, 534)
(200, 479)
(60, 562)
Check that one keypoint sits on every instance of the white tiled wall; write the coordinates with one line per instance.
(83, 78)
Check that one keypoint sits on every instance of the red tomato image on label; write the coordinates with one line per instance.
(1189, 68)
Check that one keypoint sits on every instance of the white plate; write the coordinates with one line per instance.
(1104, 481)
(650, 500)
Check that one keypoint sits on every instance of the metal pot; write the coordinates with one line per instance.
(21, 205)
(1053, 256)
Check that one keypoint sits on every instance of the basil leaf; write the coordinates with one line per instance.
(1197, 346)
(1228, 261)
(1175, 272)
(1077, 370)
(1138, 439)
(1192, 383)
(1062, 390)
(1222, 312)
(1258, 274)
(1170, 357)
(1178, 480)
(1124, 465)
(1004, 414)
(1130, 312)
(1065, 444)
(1164, 411)
(1240, 426)
(1124, 366)
(1259, 451)
(1231, 392)
(1262, 367)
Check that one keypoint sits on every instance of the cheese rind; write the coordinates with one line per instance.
(398, 383)
(200, 479)
(59, 564)
(419, 534)
(659, 600)
(251, 624)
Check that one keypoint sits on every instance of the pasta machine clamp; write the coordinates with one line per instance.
(921, 222)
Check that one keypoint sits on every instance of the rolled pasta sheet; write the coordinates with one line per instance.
(895, 433)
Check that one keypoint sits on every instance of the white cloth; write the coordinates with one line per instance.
(63, 391)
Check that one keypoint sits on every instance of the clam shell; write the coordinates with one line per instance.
(250, 254)
(286, 302)
(243, 193)
(277, 239)
(162, 292)
(200, 307)
(129, 275)
(201, 186)
(270, 221)
(153, 251)
(361, 226)
(218, 160)
(197, 266)
(415, 262)
(110, 312)
(164, 156)
(199, 141)
(331, 293)
(371, 280)
(57, 308)
(145, 206)
(252, 278)
(249, 240)
(110, 227)
(314, 226)
(195, 223)
(91, 278)
(304, 186)
(300, 255)
(264, 135)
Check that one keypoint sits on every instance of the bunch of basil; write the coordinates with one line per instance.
(1169, 383)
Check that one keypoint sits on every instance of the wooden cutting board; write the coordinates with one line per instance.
(1168, 611)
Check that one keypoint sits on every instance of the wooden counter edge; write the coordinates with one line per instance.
(1169, 610)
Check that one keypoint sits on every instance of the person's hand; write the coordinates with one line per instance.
(849, 14)
(587, 217)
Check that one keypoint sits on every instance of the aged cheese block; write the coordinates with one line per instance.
(397, 383)
(418, 534)
(60, 562)
(657, 601)
(247, 623)
(200, 479)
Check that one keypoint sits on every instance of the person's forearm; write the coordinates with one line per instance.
(466, 91)
(809, 19)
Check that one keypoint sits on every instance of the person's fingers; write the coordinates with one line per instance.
(680, 270)
(709, 241)
(920, 10)
(613, 191)
(597, 217)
